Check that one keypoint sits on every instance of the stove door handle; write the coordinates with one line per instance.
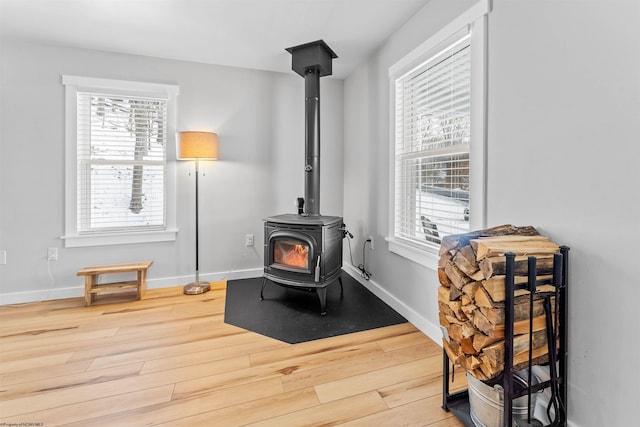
(318, 269)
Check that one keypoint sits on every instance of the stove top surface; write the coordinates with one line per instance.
(304, 220)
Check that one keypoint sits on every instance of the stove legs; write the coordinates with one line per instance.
(264, 282)
(322, 294)
(321, 291)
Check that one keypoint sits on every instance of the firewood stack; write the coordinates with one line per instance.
(472, 294)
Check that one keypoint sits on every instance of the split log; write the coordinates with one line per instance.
(469, 310)
(480, 341)
(443, 278)
(495, 287)
(466, 344)
(455, 332)
(520, 245)
(477, 276)
(539, 357)
(442, 318)
(455, 241)
(470, 289)
(497, 266)
(465, 299)
(451, 350)
(448, 294)
(495, 352)
(468, 331)
(456, 276)
(465, 260)
(481, 322)
(479, 374)
(473, 363)
(454, 293)
(453, 320)
(444, 259)
(520, 312)
(483, 299)
(456, 307)
(443, 294)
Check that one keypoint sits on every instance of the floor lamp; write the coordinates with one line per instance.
(197, 146)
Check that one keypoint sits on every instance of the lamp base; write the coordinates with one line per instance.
(197, 288)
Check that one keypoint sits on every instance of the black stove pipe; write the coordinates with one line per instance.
(312, 142)
(312, 61)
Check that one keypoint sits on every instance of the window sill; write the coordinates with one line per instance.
(78, 241)
(424, 256)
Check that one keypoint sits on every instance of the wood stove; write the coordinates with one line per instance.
(304, 251)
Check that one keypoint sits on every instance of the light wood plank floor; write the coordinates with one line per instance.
(170, 360)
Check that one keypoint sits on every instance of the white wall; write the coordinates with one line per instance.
(260, 122)
(564, 119)
(408, 287)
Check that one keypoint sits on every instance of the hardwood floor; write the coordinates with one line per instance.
(170, 360)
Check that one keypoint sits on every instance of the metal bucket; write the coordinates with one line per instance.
(486, 403)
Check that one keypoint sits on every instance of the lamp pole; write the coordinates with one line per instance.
(197, 287)
(197, 282)
(197, 146)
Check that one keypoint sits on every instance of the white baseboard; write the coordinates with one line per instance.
(76, 291)
(418, 320)
(167, 282)
(41, 295)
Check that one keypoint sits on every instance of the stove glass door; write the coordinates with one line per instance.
(291, 254)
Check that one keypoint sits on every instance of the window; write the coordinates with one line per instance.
(118, 180)
(437, 134)
(432, 147)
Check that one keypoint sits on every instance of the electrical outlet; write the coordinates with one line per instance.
(371, 245)
(248, 240)
(3, 257)
(52, 254)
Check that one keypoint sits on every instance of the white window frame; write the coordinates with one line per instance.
(473, 22)
(75, 84)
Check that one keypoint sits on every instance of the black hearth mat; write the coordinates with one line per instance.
(293, 315)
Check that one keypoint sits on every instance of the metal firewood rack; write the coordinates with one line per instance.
(458, 402)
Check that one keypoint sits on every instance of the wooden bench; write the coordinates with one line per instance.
(92, 287)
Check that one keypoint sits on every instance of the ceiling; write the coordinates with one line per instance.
(240, 33)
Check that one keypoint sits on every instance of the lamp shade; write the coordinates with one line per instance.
(197, 145)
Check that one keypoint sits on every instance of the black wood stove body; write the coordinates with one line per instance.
(304, 251)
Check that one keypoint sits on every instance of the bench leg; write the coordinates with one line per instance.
(89, 283)
(142, 283)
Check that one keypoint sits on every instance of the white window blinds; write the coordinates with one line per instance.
(121, 156)
(432, 145)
